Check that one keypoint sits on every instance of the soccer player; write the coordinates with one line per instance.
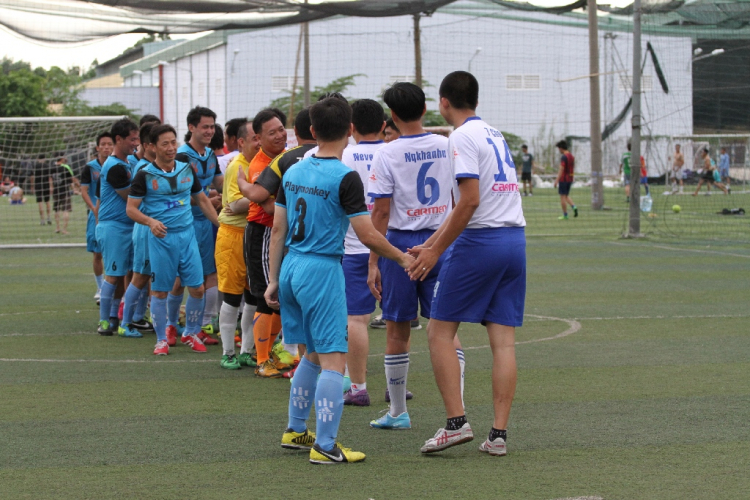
(317, 197)
(368, 120)
(724, 167)
(114, 232)
(527, 166)
(625, 169)
(272, 138)
(263, 192)
(202, 160)
(62, 180)
(231, 141)
(89, 187)
(165, 189)
(483, 278)
(391, 131)
(136, 295)
(708, 174)
(42, 188)
(230, 262)
(140, 152)
(564, 180)
(410, 182)
(678, 162)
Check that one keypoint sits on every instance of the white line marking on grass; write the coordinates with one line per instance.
(677, 249)
(580, 498)
(697, 316)
(26, 313)
(39, 360)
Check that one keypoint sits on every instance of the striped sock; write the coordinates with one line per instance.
(462, 363)
(396, 369)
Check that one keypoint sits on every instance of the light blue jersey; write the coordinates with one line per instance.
(320, 194)
(205, 168)
(115, 175)
(166, 195)
(133, 162)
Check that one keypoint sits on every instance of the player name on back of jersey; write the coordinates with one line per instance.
(419, 156)
(300, 189)
(363, 156)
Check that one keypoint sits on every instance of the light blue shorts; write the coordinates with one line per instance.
(174, 255)
(91, 244)
(141, 263)
(116, 242)
(204, 235)
(312, 294)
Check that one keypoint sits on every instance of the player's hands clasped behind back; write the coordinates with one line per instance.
(425, 260)
(157, 228)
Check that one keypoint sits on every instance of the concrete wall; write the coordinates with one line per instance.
(140, 99)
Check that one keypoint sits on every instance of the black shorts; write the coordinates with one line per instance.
(526, 176)
(61, 203)
(563, 188)
(257, 245)
(41, 194)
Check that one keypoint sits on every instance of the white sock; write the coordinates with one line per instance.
(396, 369)
(290, 348)
(357, 388)
(346, 370)
(248, 313)
(209, 310)
(462, 363)
(227, 325)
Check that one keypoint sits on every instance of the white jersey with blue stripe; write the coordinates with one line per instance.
(414, 171)
(479, 151)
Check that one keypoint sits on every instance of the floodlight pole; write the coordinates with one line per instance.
(597, 191)
(307, 63)
(634, 225)
(417, 50)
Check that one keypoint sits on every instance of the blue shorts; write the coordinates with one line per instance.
(174, 255)
(204, 235)
(141, 263)
(644, 180)
(115, 240)
(401, 297)
(483, 278)
(91, 244)
(563, 188)
(313, 304)
(724, 172)
(359, 298)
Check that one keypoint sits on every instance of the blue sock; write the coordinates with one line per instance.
(140, 306)
(159, 315)
(105, 300)
(99, 280)
(114, 308)
(329, 405)
(303, 390)
(132, 294)
(565, 214)
(173, 309)
(193, 315)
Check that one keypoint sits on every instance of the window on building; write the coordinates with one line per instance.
(281, 83)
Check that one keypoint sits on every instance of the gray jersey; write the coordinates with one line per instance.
(527, 159)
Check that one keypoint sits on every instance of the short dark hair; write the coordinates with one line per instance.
(194, 115)
(242, 131)
(232, 127)
(461, 89)
(217, 141)
(331, 119)
(406, 100)
(122, 128)
(280, 114)
(302, 124)
(149, 119)
(367, 116)
(102, 136)
(524, 146)
(337, 95)
(389, 123)
(563, 145)
(262, 117)
(146, 131)
(158, 130)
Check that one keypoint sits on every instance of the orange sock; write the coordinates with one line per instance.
(262, 325)
(275, 328)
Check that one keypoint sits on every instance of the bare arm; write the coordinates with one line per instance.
(449, 230)
(243, 184)
(157, 228)
(381, 214)
(238, 207)
(206, 207)
(123, 193)
(275, 256)
(375, 241)
(87, 198)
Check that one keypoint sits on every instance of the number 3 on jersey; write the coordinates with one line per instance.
(500, 176)
(299, 231)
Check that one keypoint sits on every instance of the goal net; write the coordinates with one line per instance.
(30, 149)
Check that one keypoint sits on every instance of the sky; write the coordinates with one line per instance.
(18, 47)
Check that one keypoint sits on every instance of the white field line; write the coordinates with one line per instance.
(580, 498)
(26, 313)
(677, 249)
(689, 316)
(129, 361)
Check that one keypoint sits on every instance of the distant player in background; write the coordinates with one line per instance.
(43, 188)
(410, 182)
(165, 188)
(483, 278)
(564, 179)
(136, 296)
(318, 199)
(63, 181)
(231, 142)
(708, 174)
(89, 188)
(644, 175)
(676, 173)
(527, 165)
(114, 232)
(724, 167)
(230, 262)
(139, 153)
(391, 131)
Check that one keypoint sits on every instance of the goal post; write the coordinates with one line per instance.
(29, 150)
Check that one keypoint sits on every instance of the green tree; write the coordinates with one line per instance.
(284, 103)
(22, 93)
